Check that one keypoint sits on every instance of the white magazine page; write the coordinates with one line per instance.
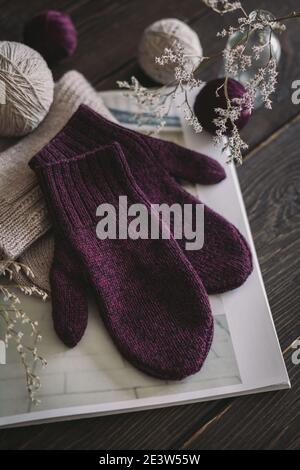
(94, 379)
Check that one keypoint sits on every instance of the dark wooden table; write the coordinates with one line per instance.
(109, 31)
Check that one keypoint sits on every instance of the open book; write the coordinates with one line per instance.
(94, 379)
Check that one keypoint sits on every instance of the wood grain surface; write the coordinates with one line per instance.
(109, 31)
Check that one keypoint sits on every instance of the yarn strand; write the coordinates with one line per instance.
(28, 89)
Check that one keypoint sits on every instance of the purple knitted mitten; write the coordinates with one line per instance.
(225, 260)
(152, 301)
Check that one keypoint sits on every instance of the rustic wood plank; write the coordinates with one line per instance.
(108, 31)
(154, 429)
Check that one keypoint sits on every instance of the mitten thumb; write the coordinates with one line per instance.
(69, 300)
(187, 164)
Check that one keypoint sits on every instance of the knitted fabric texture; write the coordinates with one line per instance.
(225, 260)
(23, 218)
(151, 300)
(38, 257)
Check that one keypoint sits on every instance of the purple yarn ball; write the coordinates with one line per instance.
(53, 34)
(207, 101)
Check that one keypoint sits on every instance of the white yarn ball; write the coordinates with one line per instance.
(157, 37)
(26, 89)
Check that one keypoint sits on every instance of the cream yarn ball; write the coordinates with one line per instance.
(160, 35)
(26, 89)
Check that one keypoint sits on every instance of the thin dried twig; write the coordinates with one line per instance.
(19, 328)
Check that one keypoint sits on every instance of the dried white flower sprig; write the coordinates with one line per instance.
(159, 100)
(19, 328)
(237, 59)
(223, 6)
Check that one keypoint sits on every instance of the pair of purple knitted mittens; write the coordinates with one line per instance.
(152, 294)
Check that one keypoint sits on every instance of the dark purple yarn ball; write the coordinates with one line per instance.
(53, 34)
(207, 101)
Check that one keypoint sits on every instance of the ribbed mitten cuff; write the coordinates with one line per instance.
(75, 187)
(79, 134)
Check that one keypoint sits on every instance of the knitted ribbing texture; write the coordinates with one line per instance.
(38, 257)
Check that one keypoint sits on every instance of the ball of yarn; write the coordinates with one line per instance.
(212, 96)
(26, 89)
(157, 37)
(53, 34)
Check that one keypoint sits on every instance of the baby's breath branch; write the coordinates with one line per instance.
(243, 11)
(224, 6)
(226, 91)
(206, 60)
(17, 323)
